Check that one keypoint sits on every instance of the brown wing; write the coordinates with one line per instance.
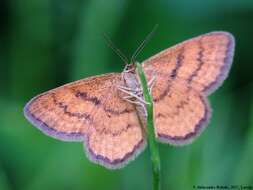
(90, 110)
(181, 115)
(185, 75)
(203, 61)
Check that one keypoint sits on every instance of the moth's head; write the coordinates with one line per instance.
(130, 68)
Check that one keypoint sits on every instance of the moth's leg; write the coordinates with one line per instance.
(138, 103)
(132, 94)
(129, 89)
(132, 101)
(151, 83)
(139, 93)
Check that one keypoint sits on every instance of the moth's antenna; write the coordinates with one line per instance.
(115, 49)
(139, 49)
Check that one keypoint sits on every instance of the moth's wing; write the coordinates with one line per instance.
(181, 115)
(185, 75)
(92, 111)
(203, 61)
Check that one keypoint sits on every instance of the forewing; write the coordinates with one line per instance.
(92, 111)
(203, 62)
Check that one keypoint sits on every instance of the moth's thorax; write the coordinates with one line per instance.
(132, 81)
(130, 77)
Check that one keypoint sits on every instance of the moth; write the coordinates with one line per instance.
(104, 111)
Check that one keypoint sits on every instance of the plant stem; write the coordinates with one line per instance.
(153, 147)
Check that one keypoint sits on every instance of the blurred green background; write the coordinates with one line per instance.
(44, 44)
